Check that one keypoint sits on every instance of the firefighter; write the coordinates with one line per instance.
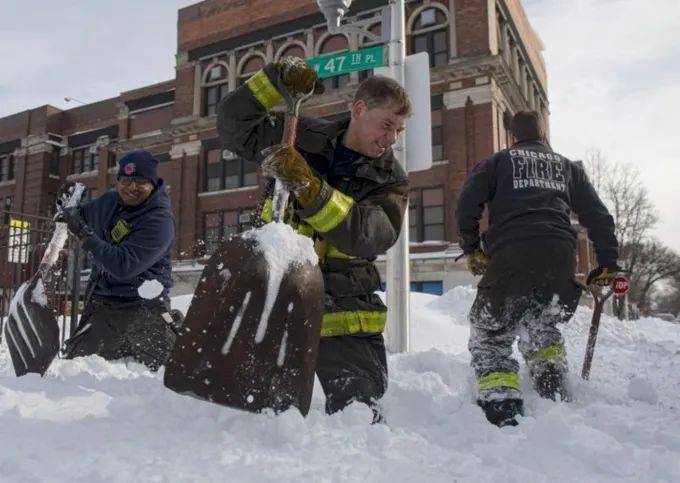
(350, 194)
(528, 263)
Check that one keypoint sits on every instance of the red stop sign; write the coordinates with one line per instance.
(620, 284)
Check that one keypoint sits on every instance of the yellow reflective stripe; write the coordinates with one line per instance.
(263, 90)
(550, 353)
(333, 252)
(267, 213)
(305, 230)
(498, 379)
(344, 323)
(332, 214)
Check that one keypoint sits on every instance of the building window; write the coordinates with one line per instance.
(436, 102)
(430, 34)
(333, 45)
(437, 146)
(430, 287)
(7, 208)
(112, 160)
(215, 87)
(228, 172)
(7, 168)
(54, 162)
(221, 225)
(250, 67)
(426, 215)
(84, 160)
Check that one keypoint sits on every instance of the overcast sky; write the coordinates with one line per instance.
(613, 72)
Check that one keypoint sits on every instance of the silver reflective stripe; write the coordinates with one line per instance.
(10, 332)
(24, 335)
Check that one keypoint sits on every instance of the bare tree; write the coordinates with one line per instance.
(646, 261)
(655, 262)
(668, 300)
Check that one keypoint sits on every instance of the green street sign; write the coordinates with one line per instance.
(344, 62)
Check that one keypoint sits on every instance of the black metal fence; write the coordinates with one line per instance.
(23, 240)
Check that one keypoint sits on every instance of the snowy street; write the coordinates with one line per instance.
(89, 420)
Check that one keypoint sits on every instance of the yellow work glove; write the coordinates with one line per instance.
(477, 262)
(601, 276)
(297, 76)
(288, 166)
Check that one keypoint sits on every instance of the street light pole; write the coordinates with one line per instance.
(398, 270)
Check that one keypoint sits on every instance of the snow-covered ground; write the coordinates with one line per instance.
(90, 420)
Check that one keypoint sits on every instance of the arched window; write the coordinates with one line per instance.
(249, 66)
(429, 33)
(215, 87)
(332, 45)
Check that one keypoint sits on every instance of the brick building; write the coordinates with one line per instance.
(486, 63)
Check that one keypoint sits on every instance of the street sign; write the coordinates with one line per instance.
(345, 62)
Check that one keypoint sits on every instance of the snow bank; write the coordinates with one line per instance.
(91, 420)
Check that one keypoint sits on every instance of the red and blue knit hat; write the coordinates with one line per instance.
(139, 163)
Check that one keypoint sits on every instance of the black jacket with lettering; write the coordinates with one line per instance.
(531, 192)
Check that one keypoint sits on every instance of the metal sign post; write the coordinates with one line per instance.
(398, 273)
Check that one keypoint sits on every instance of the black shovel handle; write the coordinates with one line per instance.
(594, 327)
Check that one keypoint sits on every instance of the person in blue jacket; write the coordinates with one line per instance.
(128, 234)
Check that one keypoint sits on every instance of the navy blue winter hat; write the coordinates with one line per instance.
(139, 163)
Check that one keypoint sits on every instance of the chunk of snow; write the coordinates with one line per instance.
(150, 289)
(38, 296)
(282, 349)
(235, 326)
(225, 274)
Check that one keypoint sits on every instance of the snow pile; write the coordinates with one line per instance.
(283, 248)
(150, 289)
(91, 420)
(38, 295)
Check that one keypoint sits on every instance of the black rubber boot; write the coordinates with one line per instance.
(502, 412)
(550, 383)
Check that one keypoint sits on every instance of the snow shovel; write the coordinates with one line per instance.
(619, 287)
(31, 329)
(251, 334)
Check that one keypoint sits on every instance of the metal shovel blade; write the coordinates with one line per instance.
(31, 330)
(228, 353)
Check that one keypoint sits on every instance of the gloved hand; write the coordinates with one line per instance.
(602, 276)
(477, 262)
(75, 222)
(297, 76)
(64, 193)
(288, 166)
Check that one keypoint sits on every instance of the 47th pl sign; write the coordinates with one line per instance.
(345, 62)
